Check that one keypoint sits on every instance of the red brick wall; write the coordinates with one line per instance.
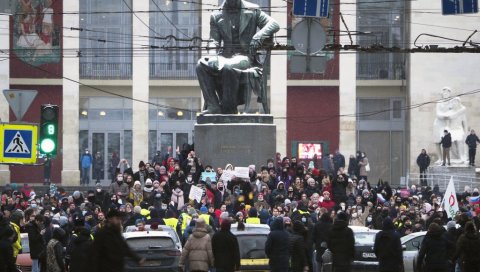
(313, 115)
(46, 95)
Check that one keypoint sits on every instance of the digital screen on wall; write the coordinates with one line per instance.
(308, 150)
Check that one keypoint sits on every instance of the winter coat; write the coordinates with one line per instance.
(352, 167)
(55, 256)
(298, 252)
(472, 140)
(7, 261)
(446, 141)
(338, 161)
(80, 251)
(423, 161)
(339, 191)
(363, 166)
(35, 240)
(178, 198)
(434, 250)
(110, 250)
(341, 243)
(468, 246)
(115, 188)
(321, 232)
(360, 219)
(276, 248)
(226, 251)
(198, 251)
(388, 249)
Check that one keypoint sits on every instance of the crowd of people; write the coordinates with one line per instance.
(313, 201)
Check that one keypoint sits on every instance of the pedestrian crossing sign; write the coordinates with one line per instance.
(18, 143)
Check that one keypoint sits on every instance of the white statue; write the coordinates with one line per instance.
(451, 116)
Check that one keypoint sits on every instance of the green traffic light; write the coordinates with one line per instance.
(47, 146)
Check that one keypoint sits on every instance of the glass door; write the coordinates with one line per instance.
(107, 149)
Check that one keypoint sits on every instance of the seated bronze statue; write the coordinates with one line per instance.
(238, 30)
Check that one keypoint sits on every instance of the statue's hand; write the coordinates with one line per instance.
(254, 45)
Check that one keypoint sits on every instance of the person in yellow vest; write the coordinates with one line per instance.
(252, 216)
(207, 217)
(170, 219)
(15, 222)
(184, 220)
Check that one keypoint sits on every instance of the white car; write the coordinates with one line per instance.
(157, 247)
(411, 244)
(168, 229)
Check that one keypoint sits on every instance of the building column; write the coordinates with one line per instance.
(71, 97)
(4, 83)
(348, 88)
(140, 84)
(278, 81)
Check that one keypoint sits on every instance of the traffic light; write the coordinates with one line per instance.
(49, 129)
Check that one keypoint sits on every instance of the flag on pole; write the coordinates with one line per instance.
(474, 200)
(450, 203)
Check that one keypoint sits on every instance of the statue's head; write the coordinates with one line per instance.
(232, 4)
(446, 92)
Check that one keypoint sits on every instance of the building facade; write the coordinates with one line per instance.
(124, 95)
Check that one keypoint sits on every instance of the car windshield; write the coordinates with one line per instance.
(150, 242)
(252, 246)
(364, 238)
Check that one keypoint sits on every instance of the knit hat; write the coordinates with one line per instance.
(137, 209)
(148, 182)
(287, 201)
(342, 216)
(76, 194)
(137, 182)
(225, 226)
(451, 224)
(204, 209)
(200, 223)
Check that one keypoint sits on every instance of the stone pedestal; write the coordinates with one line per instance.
(241, 140)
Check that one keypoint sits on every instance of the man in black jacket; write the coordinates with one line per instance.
(276, 247)
(225, 249)
(35, 230)
(109, 247)
(434, 250)
(320, 234)
(341, 243)
(446, 143)
(472, 141)
(423, 161)
(388, 248)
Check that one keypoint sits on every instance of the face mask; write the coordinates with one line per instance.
(189, 179)
(369, 219)
(99, 190)
(354, 215)
(270, 165)
(220, 188)
(119, 179)
(84, 212)
(33, 205)
(148, 186)
(91, 199)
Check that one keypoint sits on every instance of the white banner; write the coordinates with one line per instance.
(227, 175)
(195, 193)
(450, 203)
(242, 172)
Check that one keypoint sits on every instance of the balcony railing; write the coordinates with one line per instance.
(93, 70)
(380, 71)
(173, 71)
